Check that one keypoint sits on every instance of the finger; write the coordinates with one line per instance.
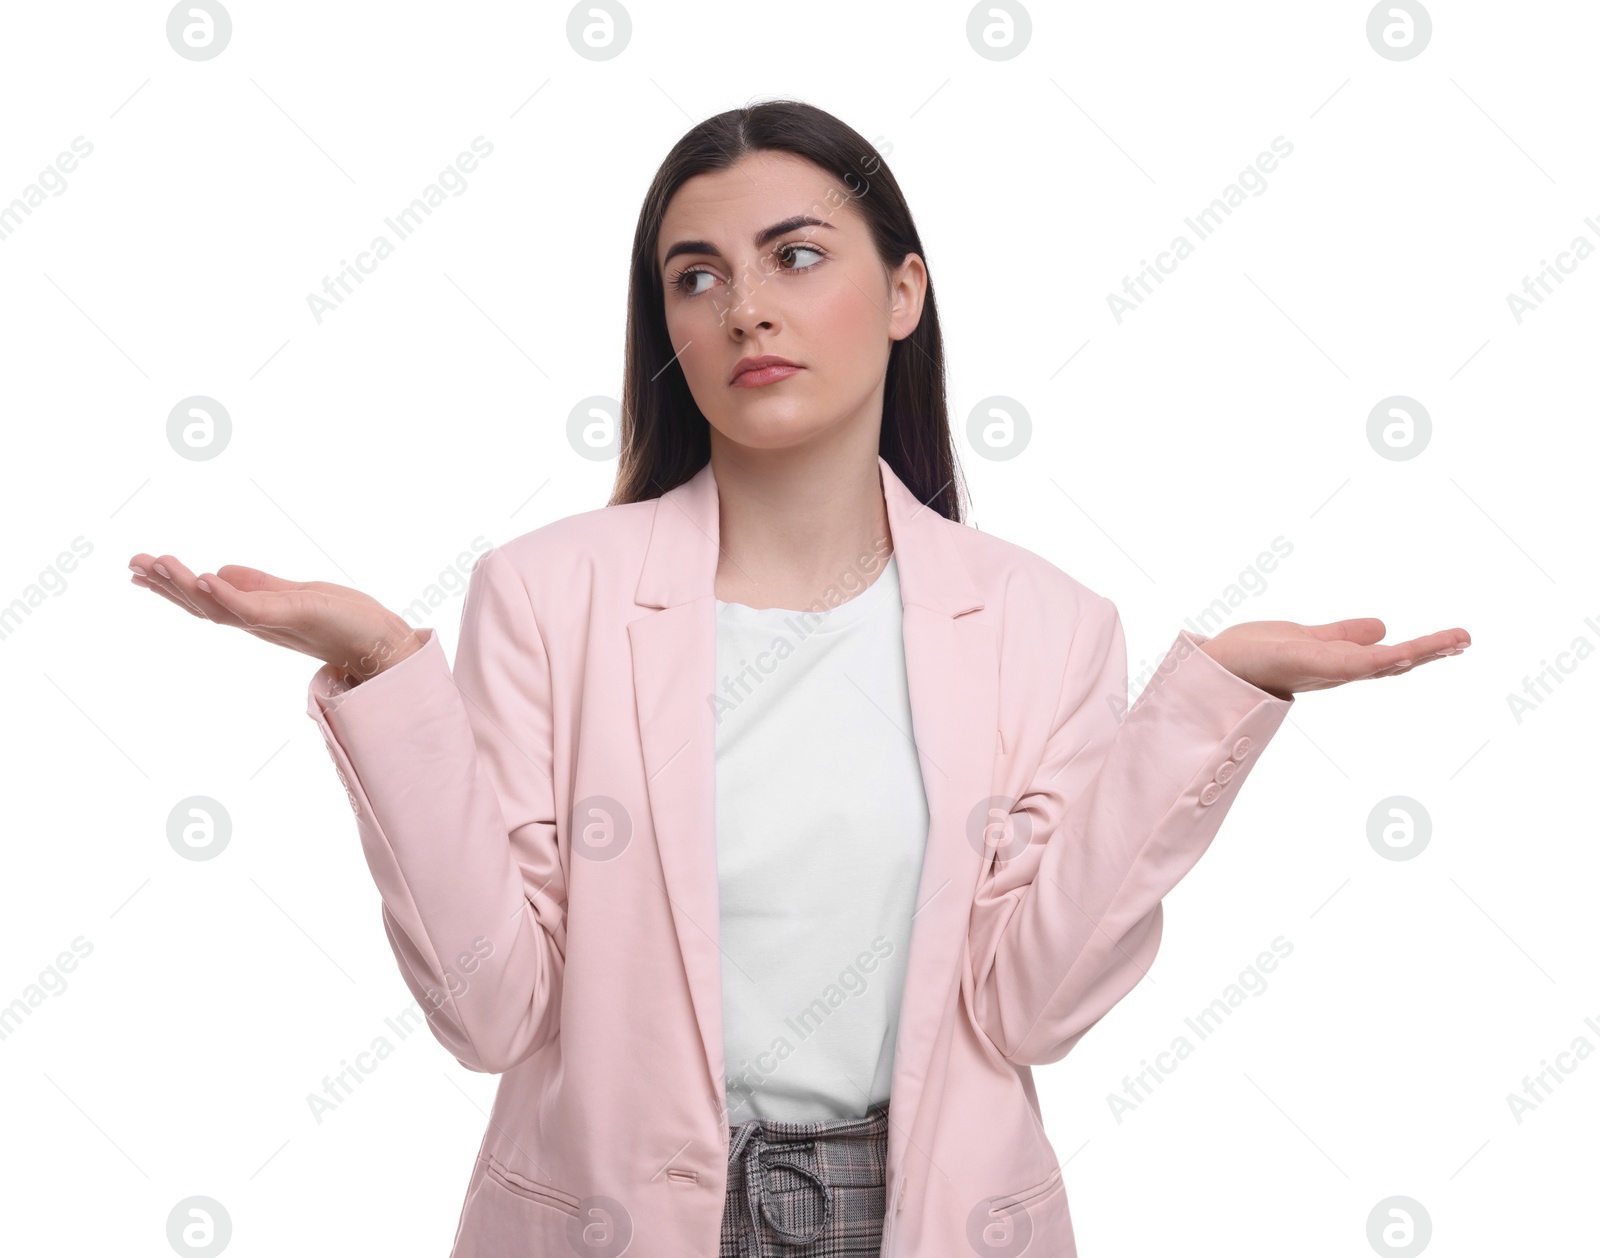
(1442, 640)
(275, 636)
(246, 608)
(245, 578)
(1408, 660)
(1395, 670)
(171, 598)
(1364, 630)
(160, 571)
(1430, 646)
(185, 585)
(144, 565)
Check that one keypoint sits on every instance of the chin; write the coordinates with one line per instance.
(770, 436)
(770, 432)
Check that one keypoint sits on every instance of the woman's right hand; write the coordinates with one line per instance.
(332, 623)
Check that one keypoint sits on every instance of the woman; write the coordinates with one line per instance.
(771, 825)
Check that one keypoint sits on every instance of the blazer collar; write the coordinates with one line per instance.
(681, 562)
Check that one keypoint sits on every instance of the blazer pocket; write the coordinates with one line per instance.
(1029, 1198)
(530, 1189)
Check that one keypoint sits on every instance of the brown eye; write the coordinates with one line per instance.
(683, 281)
(788, 251)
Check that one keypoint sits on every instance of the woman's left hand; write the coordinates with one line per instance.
(1282, 657)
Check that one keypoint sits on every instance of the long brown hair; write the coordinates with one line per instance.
(664, 438)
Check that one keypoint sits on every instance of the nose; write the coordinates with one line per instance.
(749, 305)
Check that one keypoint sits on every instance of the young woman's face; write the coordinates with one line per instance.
(771, 258)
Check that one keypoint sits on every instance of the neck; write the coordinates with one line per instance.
(798, 523)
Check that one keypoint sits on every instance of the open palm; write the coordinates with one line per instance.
(330, 622)
(1282, 657)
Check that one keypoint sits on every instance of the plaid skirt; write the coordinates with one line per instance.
(806, 1190)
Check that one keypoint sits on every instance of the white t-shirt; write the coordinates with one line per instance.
(821, 826)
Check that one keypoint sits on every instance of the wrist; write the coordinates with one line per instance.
(1228, 660)
(382, 654)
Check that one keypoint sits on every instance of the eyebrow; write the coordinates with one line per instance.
(765, 236)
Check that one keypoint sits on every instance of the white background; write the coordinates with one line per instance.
(1167, 451)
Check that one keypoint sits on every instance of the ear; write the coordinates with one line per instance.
(908, 284)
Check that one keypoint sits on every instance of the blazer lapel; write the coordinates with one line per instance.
(953, 680)
(952, 676)
(674, 677)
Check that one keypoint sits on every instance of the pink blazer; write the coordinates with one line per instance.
(539, 822)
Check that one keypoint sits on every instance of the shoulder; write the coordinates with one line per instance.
(604, 534)
(1018, 584)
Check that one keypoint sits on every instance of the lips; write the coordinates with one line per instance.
(762, 368)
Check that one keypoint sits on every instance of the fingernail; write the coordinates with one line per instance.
(164, 572)
(137, 569)
(201, 582)
(1402, 663)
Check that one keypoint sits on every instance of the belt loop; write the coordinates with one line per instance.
(751, 1146)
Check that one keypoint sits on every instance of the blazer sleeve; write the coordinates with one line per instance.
(449, 777)
(1067, 921)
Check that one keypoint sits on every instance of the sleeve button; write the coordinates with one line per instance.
(1226, 770)
(1241, 749)
(1209, 795)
